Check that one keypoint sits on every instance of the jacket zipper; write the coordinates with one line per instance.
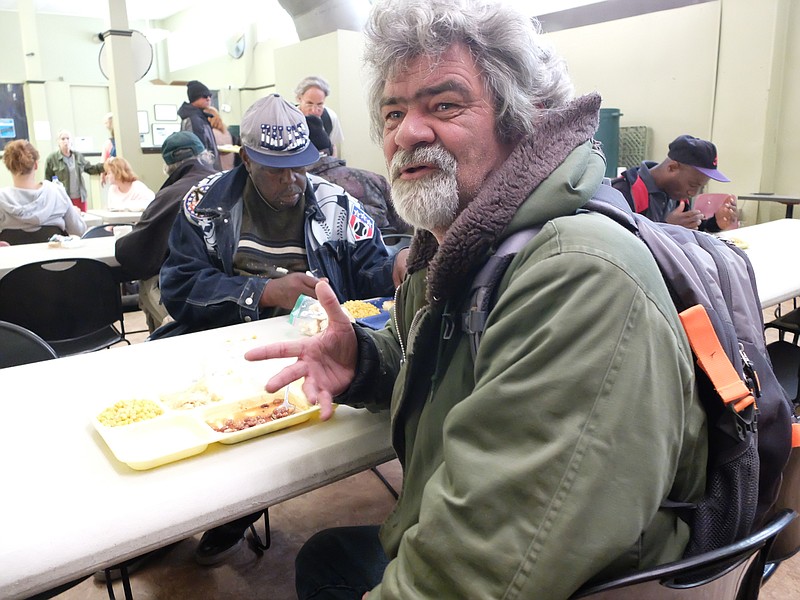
(397, 325)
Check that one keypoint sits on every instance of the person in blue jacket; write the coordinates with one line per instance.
(249, 241)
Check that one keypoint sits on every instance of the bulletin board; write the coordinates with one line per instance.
(13, 120)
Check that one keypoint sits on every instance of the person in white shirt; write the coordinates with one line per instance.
(30, 204)
(312, 93)
(126, 191)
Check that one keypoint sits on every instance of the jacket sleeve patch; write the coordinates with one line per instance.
(361, 225)
(195, 195)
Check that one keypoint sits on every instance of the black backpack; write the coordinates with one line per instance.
(750, 418)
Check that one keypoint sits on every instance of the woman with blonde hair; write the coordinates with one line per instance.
(223, 137)
(126, 191)
(29, 204)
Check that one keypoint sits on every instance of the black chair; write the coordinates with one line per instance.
(97, 231)
(18, 236)
(394, 239)
(787, 544)
(785, 359)
(129, 290)
(73, 304)
(786, 323)
(19, 346)
(729, 573)
(396, 242)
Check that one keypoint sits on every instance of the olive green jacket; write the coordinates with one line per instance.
(55, 166)
(543, 464)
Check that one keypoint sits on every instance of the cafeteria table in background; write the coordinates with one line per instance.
(101, 249)
(69, 507)
(116, 217)
(789, 201)
(772, 248)
(91, 220)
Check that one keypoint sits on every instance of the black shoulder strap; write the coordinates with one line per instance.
(485, 282)
(611, 203)
(606, 200)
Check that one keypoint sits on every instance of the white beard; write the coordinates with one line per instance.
(429, 203)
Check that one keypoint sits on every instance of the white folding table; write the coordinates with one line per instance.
(69, 507)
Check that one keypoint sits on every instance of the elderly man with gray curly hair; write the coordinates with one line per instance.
(542, 461)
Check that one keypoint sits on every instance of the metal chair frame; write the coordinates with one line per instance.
(20, 346)
(733, 572)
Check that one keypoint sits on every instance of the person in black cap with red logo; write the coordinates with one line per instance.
(196, 119)
(663, 191)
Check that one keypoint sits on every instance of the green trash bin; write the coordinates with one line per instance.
(608, 135)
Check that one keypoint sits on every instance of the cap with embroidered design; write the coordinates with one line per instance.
(697, 153)
(275, 134)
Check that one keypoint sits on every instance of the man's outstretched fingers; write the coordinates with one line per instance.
(287, 349)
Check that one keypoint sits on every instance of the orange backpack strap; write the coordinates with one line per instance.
(795, 435)
(713, 360)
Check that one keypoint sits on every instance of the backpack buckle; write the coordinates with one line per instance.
(474, 321)
(741, 424)
(750, 374)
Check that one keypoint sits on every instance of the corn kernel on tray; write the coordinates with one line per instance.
(309, 317)
(146, 430)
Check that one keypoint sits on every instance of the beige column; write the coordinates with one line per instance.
(34, 88)
(122, 91)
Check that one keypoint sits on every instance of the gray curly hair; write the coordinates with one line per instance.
(520, 70)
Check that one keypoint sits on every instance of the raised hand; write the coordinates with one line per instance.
(326, 360)
(685, 218)
(727, 216)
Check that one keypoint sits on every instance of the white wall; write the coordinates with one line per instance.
(718, 70)
(658, 69)
(336, 57)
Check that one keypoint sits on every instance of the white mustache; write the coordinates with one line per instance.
(435, 155)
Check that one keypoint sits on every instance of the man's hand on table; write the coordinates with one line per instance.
(326, 360)
(284, 291)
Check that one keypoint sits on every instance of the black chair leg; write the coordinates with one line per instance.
(388, 485)
(126, 583)
(255, 541)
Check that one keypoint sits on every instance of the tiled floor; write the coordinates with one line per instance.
(359, 499)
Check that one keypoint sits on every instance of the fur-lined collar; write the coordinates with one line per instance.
(479, 227)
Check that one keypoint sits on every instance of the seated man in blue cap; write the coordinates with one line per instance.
(250, 240)
(663, 191)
